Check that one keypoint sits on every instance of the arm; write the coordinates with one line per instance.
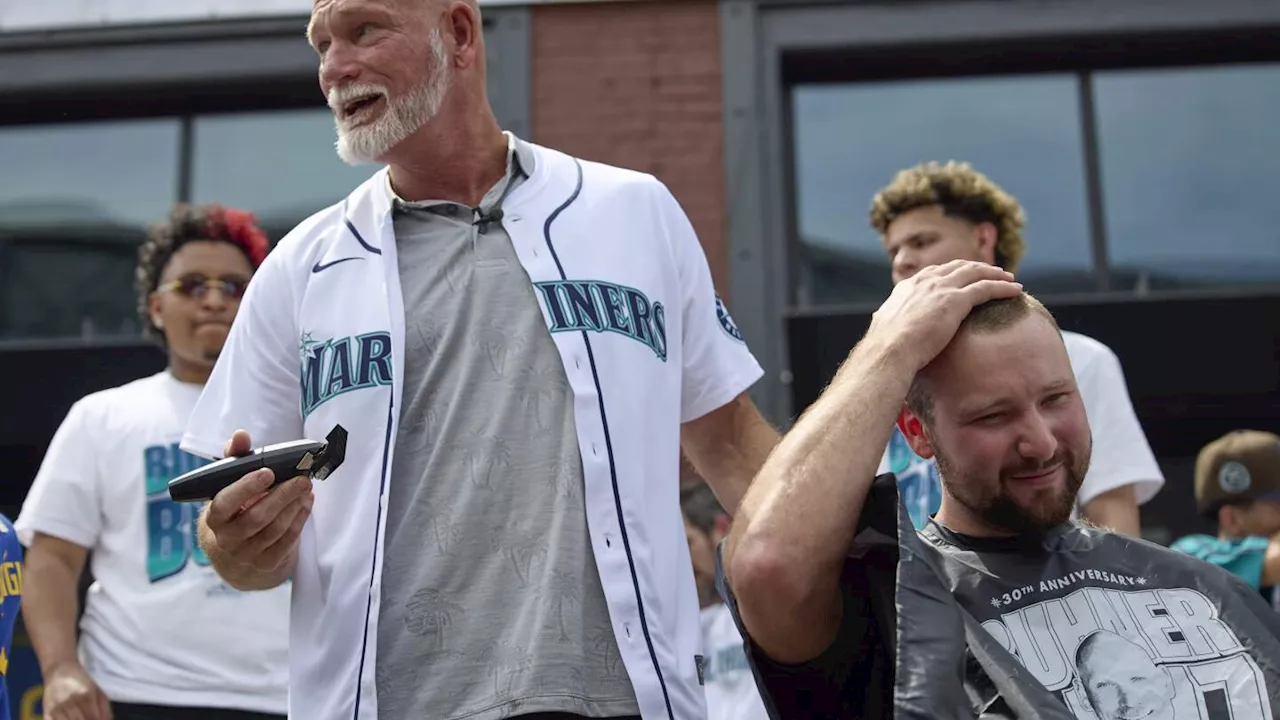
(796, 525)
(50, 606)
(728, 446)
(1123, 473)
(51, 577)
(1116, 510)
(61, 519)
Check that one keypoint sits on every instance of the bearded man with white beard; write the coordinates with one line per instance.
(520, 344)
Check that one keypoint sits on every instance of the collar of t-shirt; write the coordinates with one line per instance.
(519, 166)
(1024, 544)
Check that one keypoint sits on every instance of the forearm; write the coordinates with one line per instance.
(238, 575)
(747, 459)
(805, 502)
(728, 452)
(50, 606)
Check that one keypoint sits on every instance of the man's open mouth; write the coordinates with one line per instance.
(355, 106)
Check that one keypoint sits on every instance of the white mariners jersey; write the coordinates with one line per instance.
(646, 344)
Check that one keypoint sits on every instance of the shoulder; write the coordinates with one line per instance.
(1085, 351)
(602, 180)
(1097, 368)
(307, 235)
(622, 179)
(100, 405)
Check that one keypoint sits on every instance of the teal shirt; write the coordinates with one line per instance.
(1243, 557)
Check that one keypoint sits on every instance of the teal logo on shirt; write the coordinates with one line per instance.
(339, 365)
(919, 482)
(726, 321)
(171, 526)
(582, 305)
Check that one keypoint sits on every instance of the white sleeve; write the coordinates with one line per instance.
(717, 366)
(65, 499)
(1121, 454)
(254, 385)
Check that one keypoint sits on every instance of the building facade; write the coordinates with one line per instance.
(1139, 137)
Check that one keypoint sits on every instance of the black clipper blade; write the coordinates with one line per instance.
(323, 462)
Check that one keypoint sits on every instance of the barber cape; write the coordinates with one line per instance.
(646, 344)
(1076, 624)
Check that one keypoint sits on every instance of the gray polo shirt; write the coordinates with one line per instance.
(492, 604)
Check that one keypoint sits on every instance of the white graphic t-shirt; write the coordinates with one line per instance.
(159, 626)
(1121, 454)
(731, 688)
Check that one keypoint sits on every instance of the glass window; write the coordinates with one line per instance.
(1188, 175)
(850, 139)
(281, 165)
(71, 218)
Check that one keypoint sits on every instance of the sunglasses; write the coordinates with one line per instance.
(195, 286)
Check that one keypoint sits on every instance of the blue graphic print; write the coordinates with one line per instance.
(171, 527)
(919, 483)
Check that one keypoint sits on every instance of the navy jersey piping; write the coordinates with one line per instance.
(608, 444)
(359, 238)
(373, 571)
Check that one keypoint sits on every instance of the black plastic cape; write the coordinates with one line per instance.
(1076, 624)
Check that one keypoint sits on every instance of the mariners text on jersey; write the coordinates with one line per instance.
(577, 305)
(335, 366)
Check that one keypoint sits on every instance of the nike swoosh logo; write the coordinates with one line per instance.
(318, 267)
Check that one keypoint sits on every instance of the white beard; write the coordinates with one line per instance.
(403, 116)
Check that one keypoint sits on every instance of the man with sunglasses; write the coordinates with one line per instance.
(161, 635)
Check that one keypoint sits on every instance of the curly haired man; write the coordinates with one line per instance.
(934, 213)
(161, 635)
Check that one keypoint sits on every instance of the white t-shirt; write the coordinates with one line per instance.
(159, 626)
(1121, 454)
(731, 688)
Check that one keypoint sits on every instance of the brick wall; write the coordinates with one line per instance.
(637, 84)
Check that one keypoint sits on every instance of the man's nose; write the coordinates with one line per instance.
(214, 298)
(1037, 441)
(904, 265)
(338, 66)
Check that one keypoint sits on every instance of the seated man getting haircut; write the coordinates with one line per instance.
(1001, 606)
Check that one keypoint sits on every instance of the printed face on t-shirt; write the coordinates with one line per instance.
(1120, 680)
(1008, 427)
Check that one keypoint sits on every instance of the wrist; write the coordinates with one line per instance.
(891, 357)
(61, 666)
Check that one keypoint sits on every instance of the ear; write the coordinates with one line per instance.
(912, 429)
(153, 305)
(463, 24)
(986, 235)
